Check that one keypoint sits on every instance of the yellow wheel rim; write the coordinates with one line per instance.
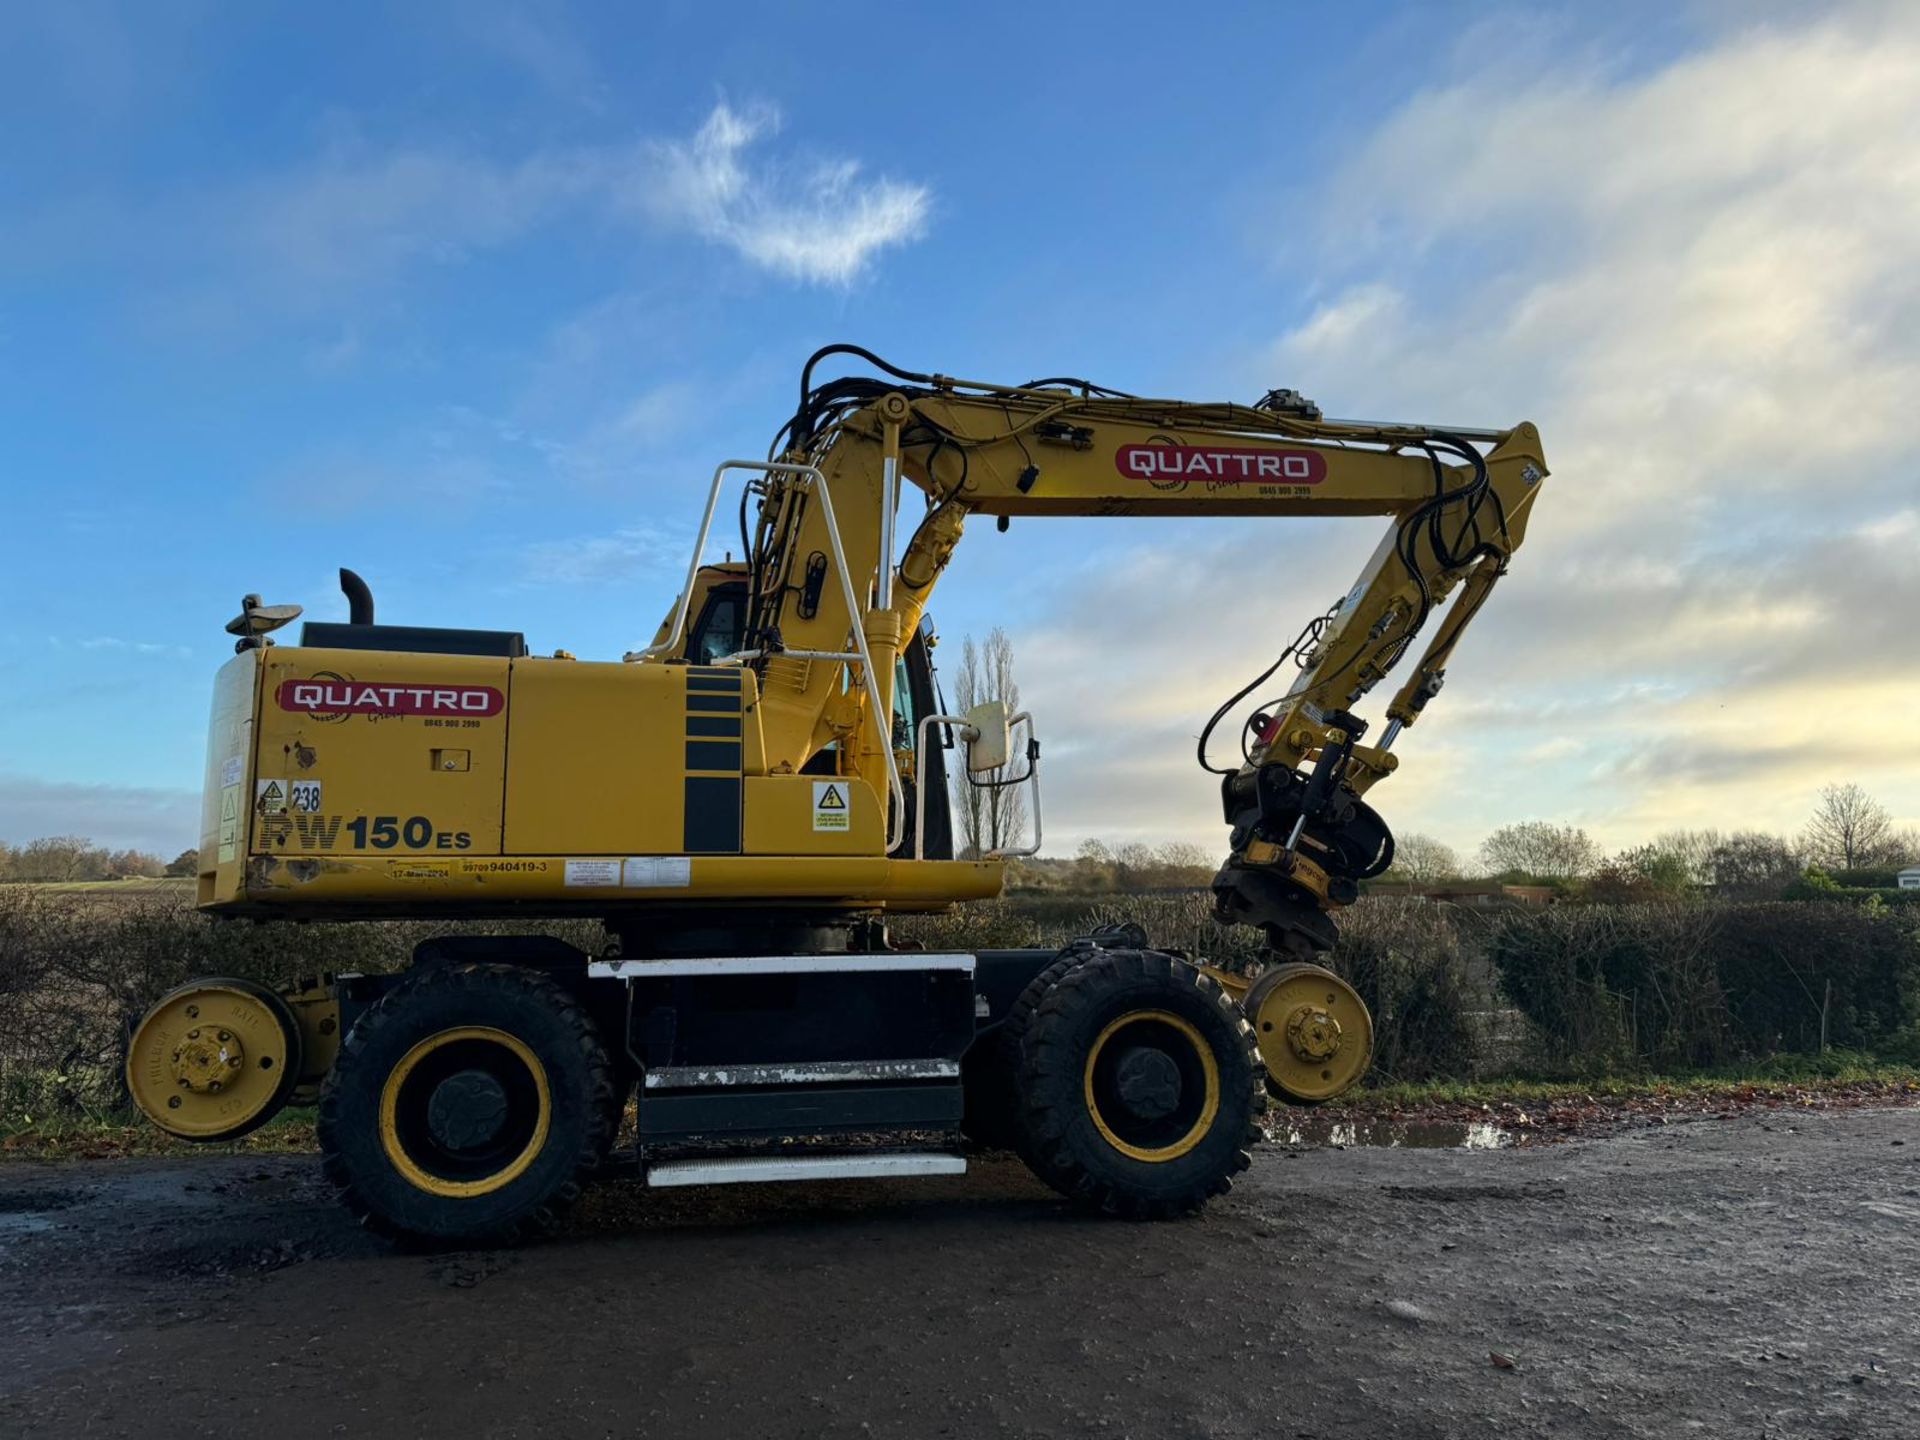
(402, 1110)
(1313, 1029)
(211, 1060)
(1154, 1028)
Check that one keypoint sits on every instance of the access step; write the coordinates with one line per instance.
(766, 1169)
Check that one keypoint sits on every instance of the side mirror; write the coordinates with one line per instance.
(991, 743)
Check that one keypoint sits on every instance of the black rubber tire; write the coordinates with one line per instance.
(1064, 1146)
(525, 1003)
(990, 1072)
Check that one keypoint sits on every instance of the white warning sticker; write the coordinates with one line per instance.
(270, 797)
(593, 872)
(658, 872)
(229, 822)
(830, 805)
(231, 769)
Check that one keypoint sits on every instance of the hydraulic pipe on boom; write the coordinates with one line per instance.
(1302, 836)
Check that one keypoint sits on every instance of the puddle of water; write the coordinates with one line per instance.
(23, 1224)
(1311, 1131)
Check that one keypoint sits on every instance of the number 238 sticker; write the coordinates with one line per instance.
(304, 797)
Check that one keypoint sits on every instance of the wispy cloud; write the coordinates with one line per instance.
(130, 647)
(359, 217)
(821, 222)
(640, 552)
(1707, 300)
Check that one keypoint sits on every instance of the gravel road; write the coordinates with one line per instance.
(1752, 1277)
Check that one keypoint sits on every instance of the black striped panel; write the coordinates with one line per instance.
(714, 755)
(712, 824)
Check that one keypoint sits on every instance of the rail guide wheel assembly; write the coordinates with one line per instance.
(214, 1059)
(1313, 1030)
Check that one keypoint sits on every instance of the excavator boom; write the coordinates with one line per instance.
(1458, 503)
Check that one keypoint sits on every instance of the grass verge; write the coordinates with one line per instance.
(1836, 1070)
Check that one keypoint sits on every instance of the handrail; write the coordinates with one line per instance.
(816, 482)
(1033, 780)
(968, 734)
(679, 625)
(882, 724)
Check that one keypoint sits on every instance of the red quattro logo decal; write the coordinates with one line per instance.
(1171, 466)
(361, 697)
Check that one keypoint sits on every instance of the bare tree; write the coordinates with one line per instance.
(1422, 860)
(1540, 849)
(1751, 865)
(992, 814)
(1849, 829)
(1691, 849)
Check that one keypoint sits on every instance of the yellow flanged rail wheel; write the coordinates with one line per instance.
(214, 1059)
(1314, 1032)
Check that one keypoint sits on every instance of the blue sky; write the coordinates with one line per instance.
(472, 297)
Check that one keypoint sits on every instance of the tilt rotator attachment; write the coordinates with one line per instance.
(1302, 843)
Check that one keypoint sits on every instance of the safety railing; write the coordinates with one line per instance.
(817, 486)
(968, 734)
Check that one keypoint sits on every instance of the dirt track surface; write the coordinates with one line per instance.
(1754, 1277)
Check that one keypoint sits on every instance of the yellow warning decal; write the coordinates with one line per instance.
(830, 805)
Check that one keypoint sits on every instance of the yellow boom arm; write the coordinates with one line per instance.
(1458, 502)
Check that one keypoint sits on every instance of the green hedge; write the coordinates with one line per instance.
(1683, 984)
(1868, 879)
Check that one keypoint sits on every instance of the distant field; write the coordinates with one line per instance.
(135, 886)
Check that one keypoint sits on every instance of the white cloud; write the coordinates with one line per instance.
(325, 238)
(1699, 281)
(823, 223)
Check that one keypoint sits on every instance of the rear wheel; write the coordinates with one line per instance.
(1141, 1086)
(469, 1104)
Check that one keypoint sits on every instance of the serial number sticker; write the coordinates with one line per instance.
(270, 797)
(593, 872)
(830, 805)
(303, 797)
(503, 867)
(658, 872)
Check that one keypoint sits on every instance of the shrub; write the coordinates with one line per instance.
(1407, 959)
(1703, 984)
(76, 972)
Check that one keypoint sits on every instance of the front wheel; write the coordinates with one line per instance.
(469, 1104)
(1141, 1086)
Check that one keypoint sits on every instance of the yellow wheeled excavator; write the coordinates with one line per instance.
(746, 801)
